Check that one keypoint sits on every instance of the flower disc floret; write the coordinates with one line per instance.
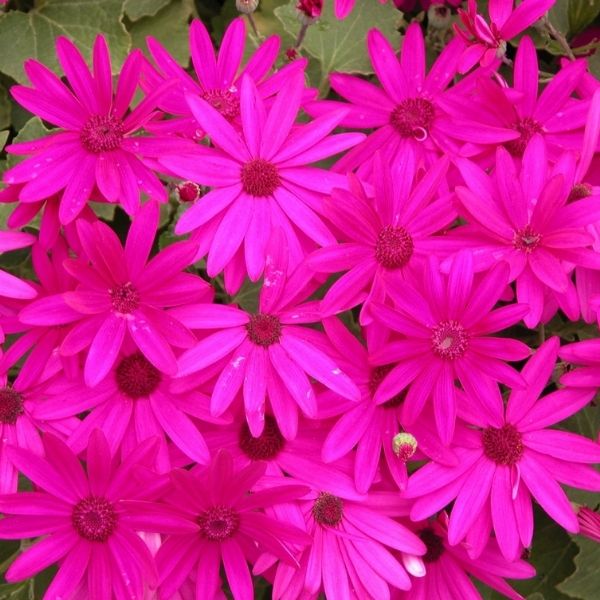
(526, 239)
(264, 447)
(136, 376)
(449, 340)
(124, 298)
(226, 102)
(328, 509)
(527, 127)
(434, 543)
(260, 178)
(94, 518)
(102, 133)
(504, 446)
(394, 247)
(11, 405)
(218, 523)
(264, 330)
(412, 118)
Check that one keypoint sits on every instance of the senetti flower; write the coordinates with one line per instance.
(95, 145)
(121, 292)
(445, 324)
(586, 356)
(225, 505)
(86, 526)
(523, 217)
(508, 458)
(261, 179)
(487, 42)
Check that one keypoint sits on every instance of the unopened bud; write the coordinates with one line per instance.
(291, 54)
(246, 7)
(439, 16)
(188, 191)
(309, 10)
(404, 445)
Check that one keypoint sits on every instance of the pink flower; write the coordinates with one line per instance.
(11, 286)
(448, 567)
(589, 523)
(266, 353)
(120, 291)
(95, 145)
(261, 180)
(586, 355)
(509, 458)
(521, 216)
(87, 527)
(445, 323)
(384, 236)
(226, 507)
(486, 43)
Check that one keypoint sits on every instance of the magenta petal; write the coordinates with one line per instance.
(104, 349)
(71, 571)
(503, 513)
(236, 569)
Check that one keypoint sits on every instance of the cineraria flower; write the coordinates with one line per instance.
(523, 217)
(218, 77)
(351, 550)
(587, 355)
(446, 323)
(267, 352)
(407, 111)
(11, 286)
(120, 291)
(448, 568)
(509, 458)
(261, 179)
(86, 526)
(486, 43)
(384, 236)
(225, 507)
(589, 523)
(95, 145)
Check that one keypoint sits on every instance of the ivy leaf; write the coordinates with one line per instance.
(169, 26)
(137, 9)
(581, 14)
(33, 34)
(583, 584)
(341, 45)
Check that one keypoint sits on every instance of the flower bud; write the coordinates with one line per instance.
(404, 445)
(439, 16)
(246, 7)
(188, 191)
(309, 10)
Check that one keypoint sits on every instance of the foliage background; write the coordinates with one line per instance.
(568, 567)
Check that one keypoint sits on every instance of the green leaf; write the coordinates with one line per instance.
(559, 16)
(33, 34)
(3, 138)
(137, 9)
(581, 14)
(5, 108)
(341, 45)
(34, 128)
(584, 583)
(169, 27)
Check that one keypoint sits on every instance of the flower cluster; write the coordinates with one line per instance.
(370, 427)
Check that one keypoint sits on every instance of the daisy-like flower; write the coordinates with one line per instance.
(120, 291)
(384, 236)
(95, 145)
(523, 217)
(218, 76)
(260, 177)
(585, 355)
(230, 527)
(352, 549)
(508, 458)
(446, 323)
(11, 286)
(85, 525)
(487, 42)
(448, 568)
(267, 352)
(406, 111)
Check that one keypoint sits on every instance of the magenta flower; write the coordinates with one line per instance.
(351, 550)
(86, 526)
(446, 323)
(448, 567)
(589, 523)
(266, 353)
(586, 355)
(218, 76)
(120, 291)
(382, 237)
(225, 506)
(11, 286)
(95, 145)
(408, 111)
(487, 42)
(510, 458)
(261, 179)
(521, 216)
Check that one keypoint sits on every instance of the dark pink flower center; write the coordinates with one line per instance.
(394, 247)
(579, 192)
(434, 544)
(264, 330)
(527, 239)
(102, 133)
(11, 405)
(226, 102)
(125, 298)
(218, 523)
(136, 376)
(449, 340)
(378, 374)
(527, 127)
(328, 509)
(94, 519)
(413, 118)
(260, 178)
(504, 446)
(264, 447)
